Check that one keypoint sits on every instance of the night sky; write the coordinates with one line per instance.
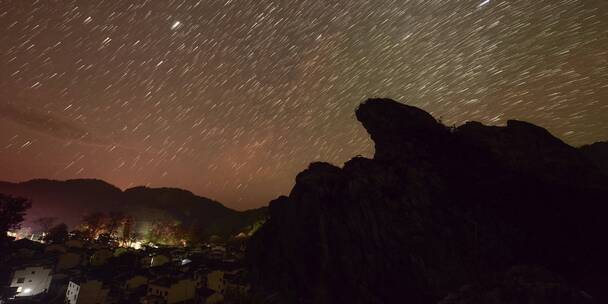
(231, 99)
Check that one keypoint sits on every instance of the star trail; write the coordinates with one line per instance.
(232, 98)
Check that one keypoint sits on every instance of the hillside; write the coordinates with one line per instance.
(70, 200)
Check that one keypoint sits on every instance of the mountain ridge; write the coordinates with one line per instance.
(71, 199)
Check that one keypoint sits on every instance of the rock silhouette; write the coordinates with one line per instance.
(598, 154)
(438, 209)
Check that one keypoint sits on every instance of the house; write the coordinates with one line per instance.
(73, 243)
(86, 292)
(101, 257)
(25, 248)
(205, 295)
(216, 282)
(31, 281)
(7, 293)
(217, 252)
(171, 290)
(235, 283)
(68, 260)
(131, 280)
(71, 294)
(228, 283)
(159, 260)
(152, 299)
(200, 277)
(127, 286)
(135, 281)
(178, 255)
(55, 248)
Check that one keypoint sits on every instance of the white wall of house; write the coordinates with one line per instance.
(87, 292)
(71, 295)
(31, 281)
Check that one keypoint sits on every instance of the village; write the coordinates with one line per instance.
(78, 271)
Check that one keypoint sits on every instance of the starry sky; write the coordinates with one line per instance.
(232, 98)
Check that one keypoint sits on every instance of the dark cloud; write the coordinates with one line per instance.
(48, 123)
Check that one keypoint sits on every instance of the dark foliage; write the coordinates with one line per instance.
(12, 212)
(57, 234)
(94, 224)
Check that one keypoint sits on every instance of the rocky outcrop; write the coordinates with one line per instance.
(436, 209)
(598, 154)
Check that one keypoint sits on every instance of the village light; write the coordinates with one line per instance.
(27, 290)
(136, 245)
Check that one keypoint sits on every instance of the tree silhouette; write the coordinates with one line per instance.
(106, 239)
(115, 220)
(94, 224)
(128, 233)
(166, 232)
(57, 234)
(78, 235)
(12, 211)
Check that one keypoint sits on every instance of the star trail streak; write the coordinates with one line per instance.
(232, 98)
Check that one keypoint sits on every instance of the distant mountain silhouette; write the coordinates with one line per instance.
(473, 214)
(70, 200)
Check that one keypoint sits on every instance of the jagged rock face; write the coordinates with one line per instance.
(399, 130)
(520, 285)
(598, 154)
(437, 208)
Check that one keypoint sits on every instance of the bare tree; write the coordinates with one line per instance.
(115, 220)
(128, 232)
(12, 211)
(94, 224)
(57, 234)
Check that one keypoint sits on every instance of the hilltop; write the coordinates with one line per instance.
(70, 200)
